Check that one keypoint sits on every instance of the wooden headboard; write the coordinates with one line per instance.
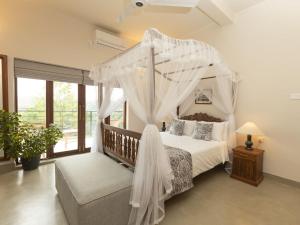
(201, 117)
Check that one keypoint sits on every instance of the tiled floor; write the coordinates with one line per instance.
(29, 198)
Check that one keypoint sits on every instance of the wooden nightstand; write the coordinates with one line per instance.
(247, 165)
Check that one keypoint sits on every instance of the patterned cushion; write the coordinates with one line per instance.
(203, 131)
(177, 127)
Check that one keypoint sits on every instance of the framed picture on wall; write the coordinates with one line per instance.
(203, 96)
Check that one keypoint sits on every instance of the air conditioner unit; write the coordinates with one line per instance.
(110, 40)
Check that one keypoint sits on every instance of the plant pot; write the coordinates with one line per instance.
(31, 163)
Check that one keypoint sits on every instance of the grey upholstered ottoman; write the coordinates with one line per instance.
(93, 189)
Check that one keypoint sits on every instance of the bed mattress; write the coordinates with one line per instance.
(205, 154)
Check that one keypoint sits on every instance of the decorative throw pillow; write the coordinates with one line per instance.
(203, 131)
(177, 127)
(218, 130)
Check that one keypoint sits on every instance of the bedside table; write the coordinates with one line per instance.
(247, 165)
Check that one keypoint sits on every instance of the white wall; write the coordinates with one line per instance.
(30, 31)
(263, 46)
(209, 109)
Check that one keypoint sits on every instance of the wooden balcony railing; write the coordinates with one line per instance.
(120, 143)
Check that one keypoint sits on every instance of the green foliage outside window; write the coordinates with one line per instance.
(65, 111)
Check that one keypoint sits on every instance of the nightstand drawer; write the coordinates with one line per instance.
(244, 156)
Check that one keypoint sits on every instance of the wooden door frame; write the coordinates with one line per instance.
(5, 100)
(5, 82)
(82, 118)
(49, 112)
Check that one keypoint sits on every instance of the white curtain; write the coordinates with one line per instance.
(153, 174)
(112, 99)
(225, 97)
(156, 76)
(224, 84)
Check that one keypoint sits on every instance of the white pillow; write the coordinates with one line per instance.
(189, 127)
(218, 133)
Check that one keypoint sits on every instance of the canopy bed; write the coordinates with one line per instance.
(156, 76)
(122, 145)
(98, 191)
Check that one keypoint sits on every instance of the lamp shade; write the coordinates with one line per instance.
(250, 128)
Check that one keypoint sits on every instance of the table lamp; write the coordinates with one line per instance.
(249, 129)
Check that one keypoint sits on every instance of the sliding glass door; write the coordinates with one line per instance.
(90, 113)
(72, 107)
(65, 104)
(47, 94)
(31, 102)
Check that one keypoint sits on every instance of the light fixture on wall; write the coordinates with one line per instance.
(249, 129)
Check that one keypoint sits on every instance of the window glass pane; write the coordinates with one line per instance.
(66, 115)
(90, 114)
(32, 100)
(117, 118)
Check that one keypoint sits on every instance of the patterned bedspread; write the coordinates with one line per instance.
(181, 163)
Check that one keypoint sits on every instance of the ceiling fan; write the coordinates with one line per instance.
(143, 3)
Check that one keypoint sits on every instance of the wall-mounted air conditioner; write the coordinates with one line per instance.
(110, 40)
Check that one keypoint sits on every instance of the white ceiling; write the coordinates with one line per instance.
(239, 5)
(170, 20)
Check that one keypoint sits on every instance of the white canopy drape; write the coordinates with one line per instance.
(113, 98)
(225, 89)
(156, 76)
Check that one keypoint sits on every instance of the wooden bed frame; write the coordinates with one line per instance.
(122, 144)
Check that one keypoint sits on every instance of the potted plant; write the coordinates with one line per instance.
(22, 140)
(8, 123)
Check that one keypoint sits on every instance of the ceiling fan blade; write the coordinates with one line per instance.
(126, 12)
(175, 3)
